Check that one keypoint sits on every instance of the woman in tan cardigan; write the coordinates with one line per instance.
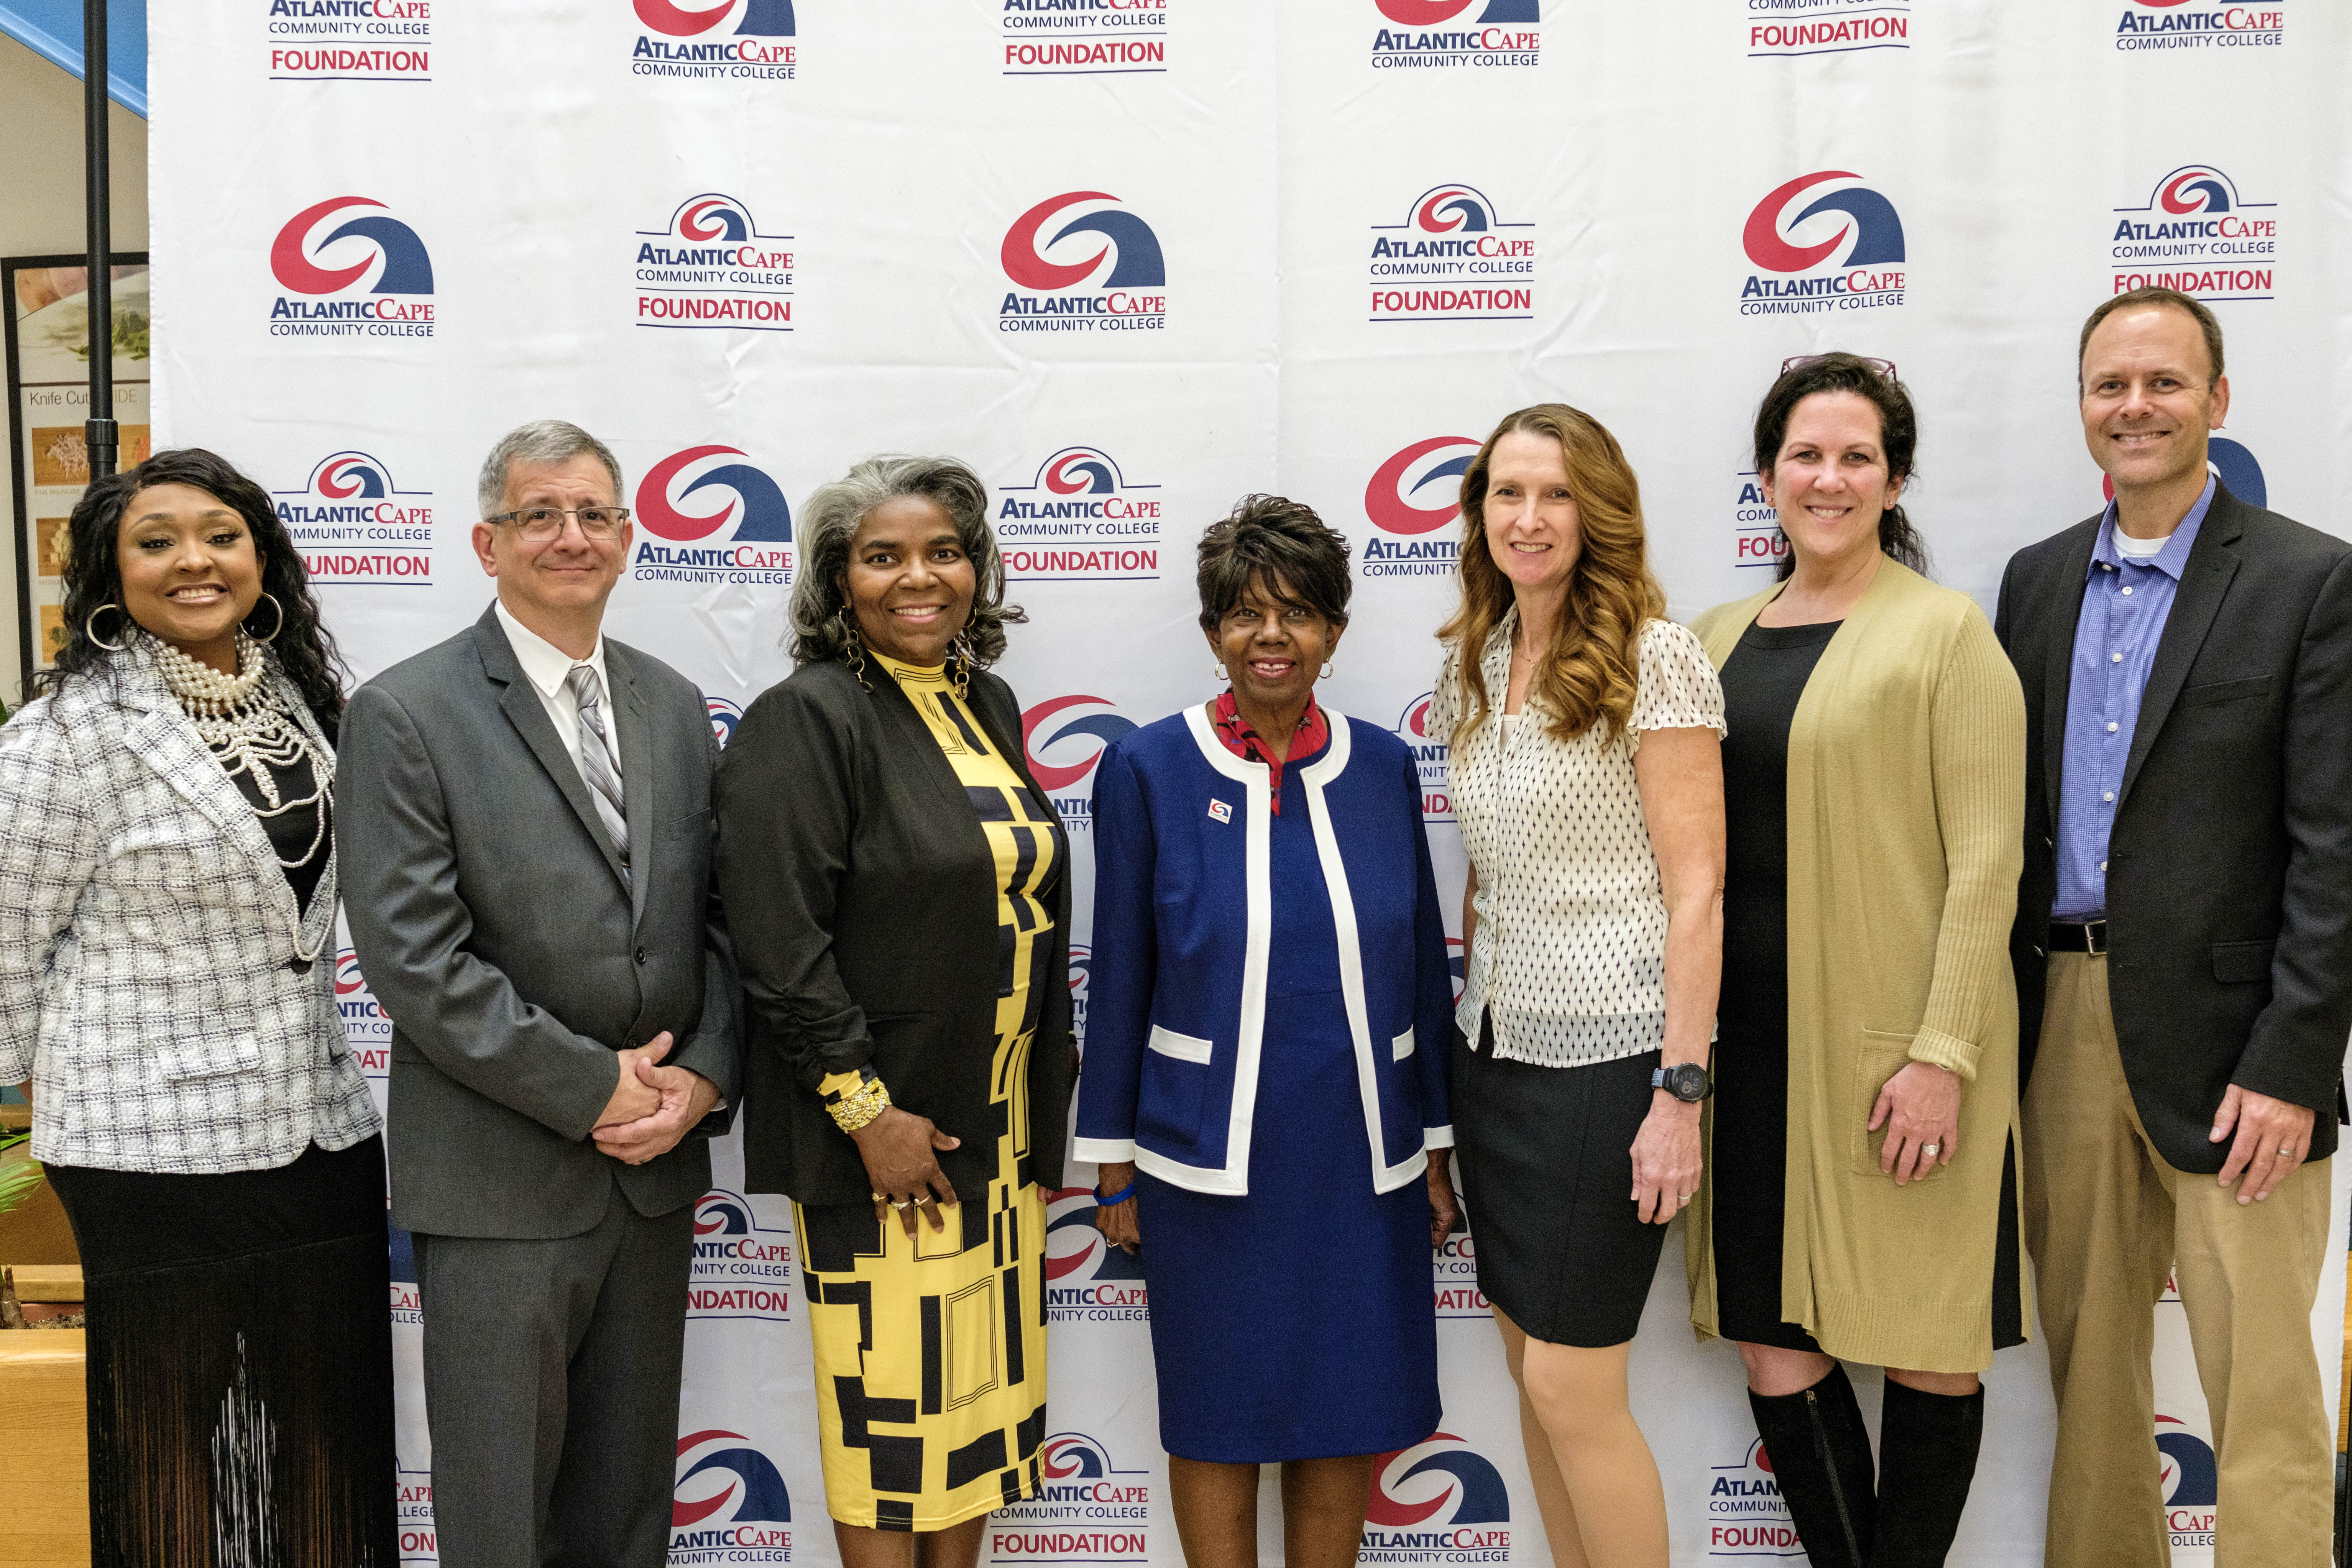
(1861, 1199)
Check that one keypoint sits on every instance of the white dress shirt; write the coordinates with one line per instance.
(547, 668)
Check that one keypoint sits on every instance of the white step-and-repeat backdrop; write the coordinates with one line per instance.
(1133, 258)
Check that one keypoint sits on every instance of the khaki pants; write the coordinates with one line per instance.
(2107, 1220)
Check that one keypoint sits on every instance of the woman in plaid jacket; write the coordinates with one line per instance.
(167, 914)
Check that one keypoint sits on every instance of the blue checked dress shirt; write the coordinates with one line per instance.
(2124, 609)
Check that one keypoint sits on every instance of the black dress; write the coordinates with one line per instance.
(240, 1335)
(1762, 681)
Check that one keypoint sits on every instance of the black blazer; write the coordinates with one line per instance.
(2229, 869)
(492, 922)
(867, 931)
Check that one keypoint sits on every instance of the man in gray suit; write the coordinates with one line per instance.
(525, 831)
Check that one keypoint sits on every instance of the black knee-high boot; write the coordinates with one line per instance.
(1820, 1456)
(1928, 1458)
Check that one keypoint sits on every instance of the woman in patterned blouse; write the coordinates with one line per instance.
(1587, 777)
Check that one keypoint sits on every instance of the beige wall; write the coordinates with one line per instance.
(41, 214)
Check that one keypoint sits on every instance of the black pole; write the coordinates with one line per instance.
(99, 436)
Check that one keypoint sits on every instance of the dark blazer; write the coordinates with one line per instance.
(862, 897)
(2229, 869)
(492, 921)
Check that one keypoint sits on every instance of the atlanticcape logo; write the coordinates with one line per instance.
(1745, 1518)
(710, 266)
(1834, 246)
(1415, 492)
(1430, 755)
(1436, 1502)
(2161, 24)
(730, 1504)
(2191, 1481)
(735, 40)
(1079, 519)
(742, 1270)
(2197, 235)
(1474, 266)
(1051, 727)
(358, 272)
(1060, 288)
(724, 716)
(1445, 32)
(1085, 1510)
(352, 524)
(746, 539)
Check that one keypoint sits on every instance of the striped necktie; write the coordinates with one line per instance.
(600, 760)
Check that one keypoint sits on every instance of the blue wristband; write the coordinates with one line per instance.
(1117, 1197)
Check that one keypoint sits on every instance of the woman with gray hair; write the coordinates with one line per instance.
(898, 889)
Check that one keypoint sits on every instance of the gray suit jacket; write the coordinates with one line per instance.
(492, 920)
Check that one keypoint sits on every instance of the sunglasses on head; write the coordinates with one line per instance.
(1885, 367)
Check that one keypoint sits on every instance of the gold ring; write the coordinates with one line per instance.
(901, 1203)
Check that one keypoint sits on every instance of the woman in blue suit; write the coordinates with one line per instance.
(1265, 1079)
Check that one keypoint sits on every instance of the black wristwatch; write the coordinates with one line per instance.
(1686, 1081)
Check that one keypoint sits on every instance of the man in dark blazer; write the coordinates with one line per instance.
(2183, 950)
(526, 836)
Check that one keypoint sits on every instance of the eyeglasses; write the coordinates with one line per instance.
(1885, 367)
(541, 523)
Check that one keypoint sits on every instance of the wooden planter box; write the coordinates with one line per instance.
(44, 1426)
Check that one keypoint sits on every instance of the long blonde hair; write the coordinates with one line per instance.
(1591, 671)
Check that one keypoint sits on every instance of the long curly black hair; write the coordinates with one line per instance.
(93, 576)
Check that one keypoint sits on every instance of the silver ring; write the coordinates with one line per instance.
(1931, 1150)
(2286, 1151)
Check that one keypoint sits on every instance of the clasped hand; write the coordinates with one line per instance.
(652, 1106)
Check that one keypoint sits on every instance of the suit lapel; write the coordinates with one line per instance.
(2204, 583)
(639, 786)
(523, 709)
(2072, 582)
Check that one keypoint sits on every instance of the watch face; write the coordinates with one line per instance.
(1688, 1081)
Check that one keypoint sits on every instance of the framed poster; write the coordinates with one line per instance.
(48, 319)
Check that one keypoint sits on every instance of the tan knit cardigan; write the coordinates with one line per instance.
(1906, 807)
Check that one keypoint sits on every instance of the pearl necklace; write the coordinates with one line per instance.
(245, 727)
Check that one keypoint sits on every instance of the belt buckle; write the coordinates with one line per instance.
(2095, 937)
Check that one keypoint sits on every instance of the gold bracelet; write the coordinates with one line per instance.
(860, 1106)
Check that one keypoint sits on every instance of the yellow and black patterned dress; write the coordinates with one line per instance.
(930, 1354)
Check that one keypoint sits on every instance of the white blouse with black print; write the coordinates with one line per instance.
(1570, 955)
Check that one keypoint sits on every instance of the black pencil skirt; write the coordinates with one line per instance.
(240, 1363)
(1547, 1174)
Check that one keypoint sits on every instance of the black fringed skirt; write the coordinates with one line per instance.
(241, 1364)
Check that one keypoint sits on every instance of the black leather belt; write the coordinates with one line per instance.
(2078, 936)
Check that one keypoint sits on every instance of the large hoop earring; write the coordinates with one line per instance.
(1221, 673)
(280, 624)
(90, 628)
(1326, 671)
